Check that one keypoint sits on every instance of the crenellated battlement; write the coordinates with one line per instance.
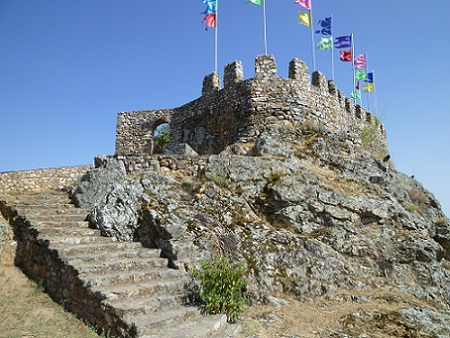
(240, 111)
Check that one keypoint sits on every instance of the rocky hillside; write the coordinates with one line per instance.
(309, 211)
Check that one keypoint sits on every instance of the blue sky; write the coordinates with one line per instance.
(67, 67)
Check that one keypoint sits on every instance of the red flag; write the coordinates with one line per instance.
(346, 55)
(210, 20)
(357, 86)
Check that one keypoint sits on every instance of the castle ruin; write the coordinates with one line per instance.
(239, 112)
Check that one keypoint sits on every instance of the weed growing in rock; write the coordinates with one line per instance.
(221, 181)
(221, 287)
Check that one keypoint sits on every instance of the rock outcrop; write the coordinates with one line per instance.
(314, 215)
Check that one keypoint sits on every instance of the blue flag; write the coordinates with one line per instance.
(324, 26)
(211, 6)
(343, 42)
(369, 78)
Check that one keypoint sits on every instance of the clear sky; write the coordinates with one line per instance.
(67, 67)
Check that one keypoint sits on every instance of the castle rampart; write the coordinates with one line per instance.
(239, 112)
(40, 179)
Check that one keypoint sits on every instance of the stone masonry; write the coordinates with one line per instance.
(239, 112)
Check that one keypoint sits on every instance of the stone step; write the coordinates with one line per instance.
(107, 267)
(145, 306)
(50, 211)
(94, 248)
(59, 241)
(142, 289)
(66, 225)
(155, 322)
(129, 277)
(44, 217)
(49, 232)
(112, 253)
(38, 199)
(211, 326)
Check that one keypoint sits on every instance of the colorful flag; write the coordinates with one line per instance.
(325, 26)
(369, 77)
(304, 3)
(368, 87)
(325, 43)
(304, 19)
(360, 74)
(360, 61)
(356, 94)
(256, 2)
(345, 55)
(210, 20)
(210, 6)
(343, 42)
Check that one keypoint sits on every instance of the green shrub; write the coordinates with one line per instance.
(221, 287)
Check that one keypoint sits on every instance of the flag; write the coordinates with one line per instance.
(343, 41)
(345, 55)
(210, 6)
(256, 2)
(304, 18)
(360, 74)
(356, 94)
(210, 20)
(357, 86)
(369, 77)
(325, 43)
(368, 87)
(325, 26)
(304, 3)
(360, 61)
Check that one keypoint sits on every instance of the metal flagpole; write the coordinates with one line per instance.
(312, 38)
(375, 93)
(264, 26)
(360, 95)
(353, 66)
(332, 50)
(216, 33)
(368, 94)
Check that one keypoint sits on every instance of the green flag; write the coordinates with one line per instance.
(360, 74)
(256, 2)
(356, 94)
(325, 43)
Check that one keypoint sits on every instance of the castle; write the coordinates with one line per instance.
(239, 112)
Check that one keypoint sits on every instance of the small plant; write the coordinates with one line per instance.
(221, 287)
(441, 221)
(369, 134)
(418, 196)
(414, 208)
(221, 181)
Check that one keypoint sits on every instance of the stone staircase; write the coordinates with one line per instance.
(122, 288)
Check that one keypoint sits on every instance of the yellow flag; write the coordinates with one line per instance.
(304, 19)
(368, 88)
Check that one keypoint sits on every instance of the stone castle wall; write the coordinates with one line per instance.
(41, 179)
(239, 112)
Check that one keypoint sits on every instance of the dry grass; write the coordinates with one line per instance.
(334, 181)
(417, 196)
(27, 312)
(322, 317)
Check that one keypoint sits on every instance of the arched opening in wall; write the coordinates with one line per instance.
(161, 137)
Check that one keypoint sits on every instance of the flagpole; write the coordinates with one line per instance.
(265, 26)
(368, 94)
(216, 34)
(353, 65)
(312, 38)
(332, 49)
(375, 93)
